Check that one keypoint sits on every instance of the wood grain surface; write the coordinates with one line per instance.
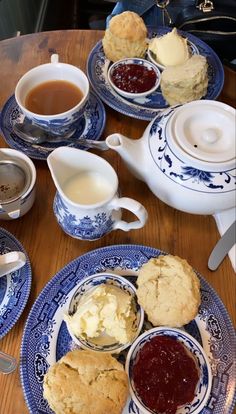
(189, 236)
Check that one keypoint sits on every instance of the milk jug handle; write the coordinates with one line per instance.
(135, 207)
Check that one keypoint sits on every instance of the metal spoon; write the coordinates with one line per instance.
(35, 135)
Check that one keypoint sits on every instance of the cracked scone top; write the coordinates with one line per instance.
(125, 37)
(169, 291)
(86, 382)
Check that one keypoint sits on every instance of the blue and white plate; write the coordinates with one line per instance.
(14, 287)
(91, 126)
(146, 108)
(46, 339)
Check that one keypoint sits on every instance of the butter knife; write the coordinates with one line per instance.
(222, 247)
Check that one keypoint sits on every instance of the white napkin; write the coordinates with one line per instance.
(224, 221)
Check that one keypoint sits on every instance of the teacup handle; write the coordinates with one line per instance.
(54, 58)
(135, 207)
(11, 261)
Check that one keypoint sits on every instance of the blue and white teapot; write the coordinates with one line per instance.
(186, 156)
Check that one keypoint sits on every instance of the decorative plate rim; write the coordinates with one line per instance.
(26, 269)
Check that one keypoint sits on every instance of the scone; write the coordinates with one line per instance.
(185, 83)
(86, 382)
(125, 37)
(169, 291)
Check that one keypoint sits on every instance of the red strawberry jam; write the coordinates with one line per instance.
(133, 78)
(165, 375)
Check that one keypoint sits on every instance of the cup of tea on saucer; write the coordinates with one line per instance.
(53, 96)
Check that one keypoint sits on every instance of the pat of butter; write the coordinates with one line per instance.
(105, 309)
(170, 49)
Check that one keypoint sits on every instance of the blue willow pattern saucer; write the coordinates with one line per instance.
(14, 287)
(146, 108)
(46, 338)
(91, 126)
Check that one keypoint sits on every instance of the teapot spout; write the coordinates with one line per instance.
(130, 151)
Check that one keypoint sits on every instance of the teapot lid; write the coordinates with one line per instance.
(204, 130)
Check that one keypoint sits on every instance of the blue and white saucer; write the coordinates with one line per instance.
(14, 287)
(146, 108)
(91, 126)
(46, 338)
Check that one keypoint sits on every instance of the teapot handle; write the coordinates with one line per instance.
(135, 207)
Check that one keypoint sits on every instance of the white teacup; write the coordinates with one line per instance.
(17, 184)
(87, 205)
(60, 123)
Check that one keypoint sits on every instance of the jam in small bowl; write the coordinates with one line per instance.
(104, 314)
(134, 78)
(168, 372)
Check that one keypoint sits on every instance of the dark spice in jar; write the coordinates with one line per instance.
(134, 78)
(165, 374)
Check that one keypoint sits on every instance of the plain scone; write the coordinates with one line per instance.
(169, 291)
(185, 83)
(86, 382)
(125, 37)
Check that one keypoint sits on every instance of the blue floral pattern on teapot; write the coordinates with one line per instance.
(177, 170)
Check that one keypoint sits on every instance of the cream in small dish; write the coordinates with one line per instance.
(170, 49)
(168, 371)
(134, 78)
(104, 314)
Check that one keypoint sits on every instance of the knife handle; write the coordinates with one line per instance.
(222, 247)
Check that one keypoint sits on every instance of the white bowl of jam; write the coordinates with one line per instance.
(134, 77)
(168, 372)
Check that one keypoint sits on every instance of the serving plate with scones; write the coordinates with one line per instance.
(58, 376)
(100, 59)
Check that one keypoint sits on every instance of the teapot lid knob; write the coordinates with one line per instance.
(205, 130)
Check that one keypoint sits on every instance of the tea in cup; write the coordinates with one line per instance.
(53, 96)
(17, 184)
(87, 205)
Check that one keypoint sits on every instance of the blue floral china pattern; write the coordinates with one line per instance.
(203, 387)
(90, 126)
(46, 339)
(14, 287)
(61, 126)
(178, 170)
(91, 226)
(90, 283)
(146, 108)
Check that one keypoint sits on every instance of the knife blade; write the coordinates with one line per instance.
(222, 247)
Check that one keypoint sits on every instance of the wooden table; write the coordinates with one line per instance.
(49, 248)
